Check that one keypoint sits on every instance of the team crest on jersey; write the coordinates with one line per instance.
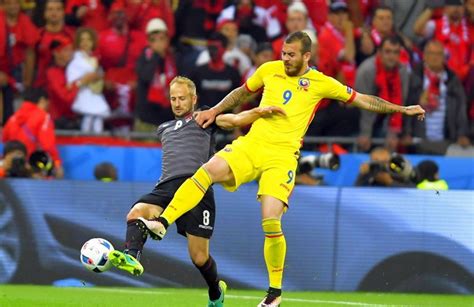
(303, 84)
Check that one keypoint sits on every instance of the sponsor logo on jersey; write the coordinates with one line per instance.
(227, 149)
(303, 84)
(208, 227)
(348, 90)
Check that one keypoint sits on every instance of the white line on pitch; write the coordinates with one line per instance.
(248, 297)
(289, 299)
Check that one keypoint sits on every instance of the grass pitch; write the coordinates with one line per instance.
(39, 296)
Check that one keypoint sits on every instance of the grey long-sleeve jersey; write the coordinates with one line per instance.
(185, 147)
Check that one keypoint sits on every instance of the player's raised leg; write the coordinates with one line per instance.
(189, 194)
(199, 253)
(135, 238)
(274, 249)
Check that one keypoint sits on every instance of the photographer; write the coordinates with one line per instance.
(14, 163)
(32, 125)
(377, 171)
(428, 176)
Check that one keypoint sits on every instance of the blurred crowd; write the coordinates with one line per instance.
(106, 64)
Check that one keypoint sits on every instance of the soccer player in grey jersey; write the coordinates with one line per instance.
(186, 147)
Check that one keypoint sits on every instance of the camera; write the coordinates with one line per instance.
(41, 163)
(376, 167)
(403, 169)
(329, 161)
(18, 168)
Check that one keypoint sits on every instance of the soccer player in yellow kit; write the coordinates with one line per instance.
(269, 152)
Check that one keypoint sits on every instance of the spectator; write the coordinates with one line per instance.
(469, 82)
(89, 101)
(439, 91)
(53, 28)
(382, 75)
(452, 31)
(88, 13)
(105, 172)
(382, 27)
(296, 20)
(233, 56)
(119, 49)
(18, 38)
(405, 14)
(247, 45)
(336, 55)
(61, 93)
(428, 176)
(155, 70)
(263, 54)
(32, 125)
(252, 19)
(140, 12)
(13, 163)
(361, 11)
(376, 171)
(331, 60)
(195, 21)
(215, 79)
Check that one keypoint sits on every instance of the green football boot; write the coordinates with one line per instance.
(125, 262)
(220, 301)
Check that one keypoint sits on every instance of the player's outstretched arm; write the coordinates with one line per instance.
(379, 105)
(232, 100)
(230, 121)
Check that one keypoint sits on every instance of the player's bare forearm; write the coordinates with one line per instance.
(230, 121)
(379, 105)
(232, 100)
(375, 104)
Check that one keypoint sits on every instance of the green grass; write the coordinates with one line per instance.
(39, 296)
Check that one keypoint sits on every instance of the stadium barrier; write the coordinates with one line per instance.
(144, 164)
(339, 239)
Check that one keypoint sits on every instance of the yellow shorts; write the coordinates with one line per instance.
(273, 169)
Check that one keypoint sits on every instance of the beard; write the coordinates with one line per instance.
(294, 69)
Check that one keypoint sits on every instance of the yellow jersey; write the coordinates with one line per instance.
(299, 96)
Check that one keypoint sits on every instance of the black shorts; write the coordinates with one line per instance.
(199, 221)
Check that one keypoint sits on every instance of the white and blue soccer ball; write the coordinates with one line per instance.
(95, 255)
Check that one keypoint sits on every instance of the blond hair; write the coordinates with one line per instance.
(186, 81)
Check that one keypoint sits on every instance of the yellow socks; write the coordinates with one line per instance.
(188, 195)
(274, 251)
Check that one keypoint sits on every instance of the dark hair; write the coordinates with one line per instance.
(392, 39)
(427, 170)
(105, 171)
(300, 36)
(34, 94)
(92, 33)
(12, 146)
(266, 46)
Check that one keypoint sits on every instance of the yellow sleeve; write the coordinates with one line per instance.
(334, 89)
(255, 81)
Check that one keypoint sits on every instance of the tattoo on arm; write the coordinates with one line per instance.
(233, 99)
(379, 105)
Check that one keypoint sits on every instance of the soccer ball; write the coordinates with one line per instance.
(95, 255)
